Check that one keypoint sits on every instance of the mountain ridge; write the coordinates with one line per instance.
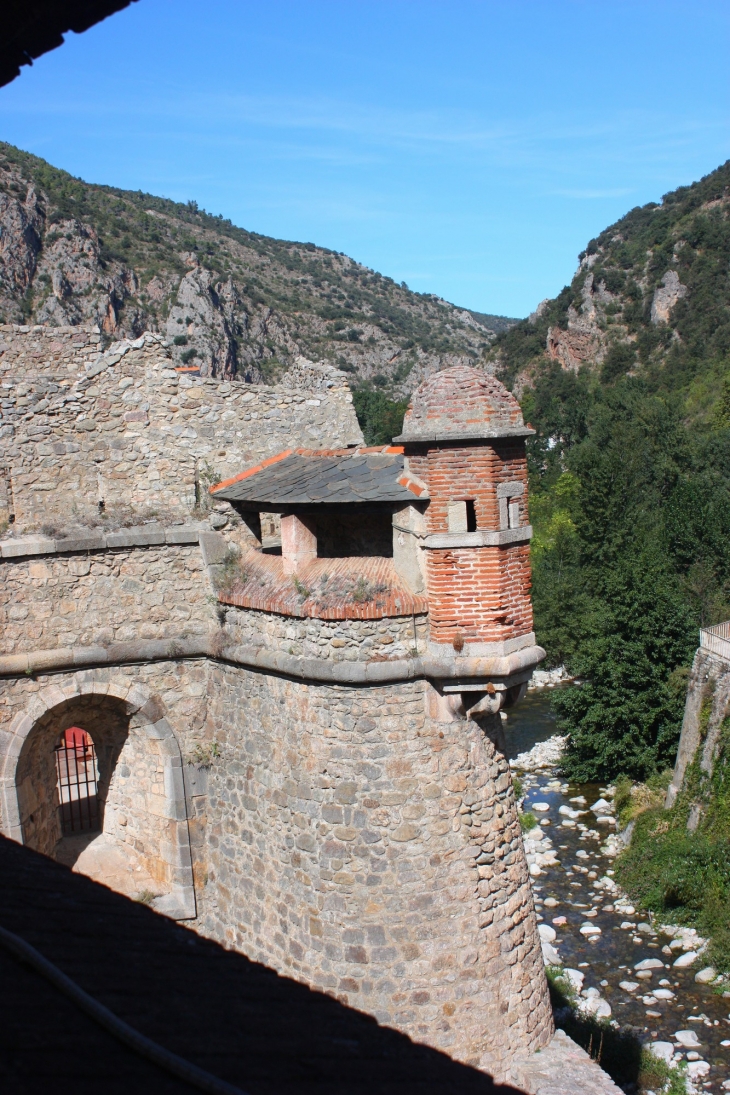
(233, 302)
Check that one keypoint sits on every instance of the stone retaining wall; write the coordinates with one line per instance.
(361, 840)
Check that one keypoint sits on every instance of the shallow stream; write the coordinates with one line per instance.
(574, 889)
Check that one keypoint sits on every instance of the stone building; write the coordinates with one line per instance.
(289, 686)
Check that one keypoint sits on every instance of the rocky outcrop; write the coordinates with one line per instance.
(572, 348)
(666, 296)
(21, 227)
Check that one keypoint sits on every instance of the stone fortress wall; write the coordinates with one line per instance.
(299, 789)
(85, 432)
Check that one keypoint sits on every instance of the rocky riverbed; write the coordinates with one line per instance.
(622, 966)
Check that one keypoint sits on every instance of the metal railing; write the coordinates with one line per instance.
(716, 639)
(77, 786)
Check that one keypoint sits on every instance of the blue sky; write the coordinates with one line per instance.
(468, 148)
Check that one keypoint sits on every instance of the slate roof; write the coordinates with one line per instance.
(307, 476)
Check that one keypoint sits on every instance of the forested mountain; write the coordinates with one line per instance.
(231, 301)
(626, 378)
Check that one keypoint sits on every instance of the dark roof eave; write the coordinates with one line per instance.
(287, 503)
(504, 433)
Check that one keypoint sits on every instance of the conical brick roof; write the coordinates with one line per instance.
(462, 402)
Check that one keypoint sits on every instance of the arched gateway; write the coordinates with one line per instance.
(132, 769)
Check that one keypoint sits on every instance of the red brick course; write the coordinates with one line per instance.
(482, 593)
(469, 471)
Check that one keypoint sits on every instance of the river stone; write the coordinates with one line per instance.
(600, 806)
(628, 986)
(706, 975)
(664, 994)
(551, 902)
(663, 1050)
(575, 977)
(590, 929)
(697, 1069)
(687, 1038)
(686, 959)
(541, 807)
(534, 870)
(649, 964)
(550, 956)
(546, 933)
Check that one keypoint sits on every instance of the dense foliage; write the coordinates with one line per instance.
(380, 418)
(629, 476)
(632, 514)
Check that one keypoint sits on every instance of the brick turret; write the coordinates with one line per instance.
(464, 437)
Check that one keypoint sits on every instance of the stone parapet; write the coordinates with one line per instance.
(380, 640)
(99, 540)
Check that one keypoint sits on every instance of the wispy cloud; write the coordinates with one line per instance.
(617, 192)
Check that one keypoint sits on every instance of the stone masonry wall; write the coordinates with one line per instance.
(357, 842)
(102, 597)
(122, 430)
(328, 640)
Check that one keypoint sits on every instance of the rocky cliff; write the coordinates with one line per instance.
(650, 298)
(234, 304)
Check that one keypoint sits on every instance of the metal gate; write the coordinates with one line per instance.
(78, 776)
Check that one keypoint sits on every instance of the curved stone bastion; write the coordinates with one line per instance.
(290, 691)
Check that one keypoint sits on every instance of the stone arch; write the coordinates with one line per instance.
(140, 775)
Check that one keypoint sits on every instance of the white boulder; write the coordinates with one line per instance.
(687, 1038)
(575, 977)
(650, 964)
(550, 956)
(663, 1050)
